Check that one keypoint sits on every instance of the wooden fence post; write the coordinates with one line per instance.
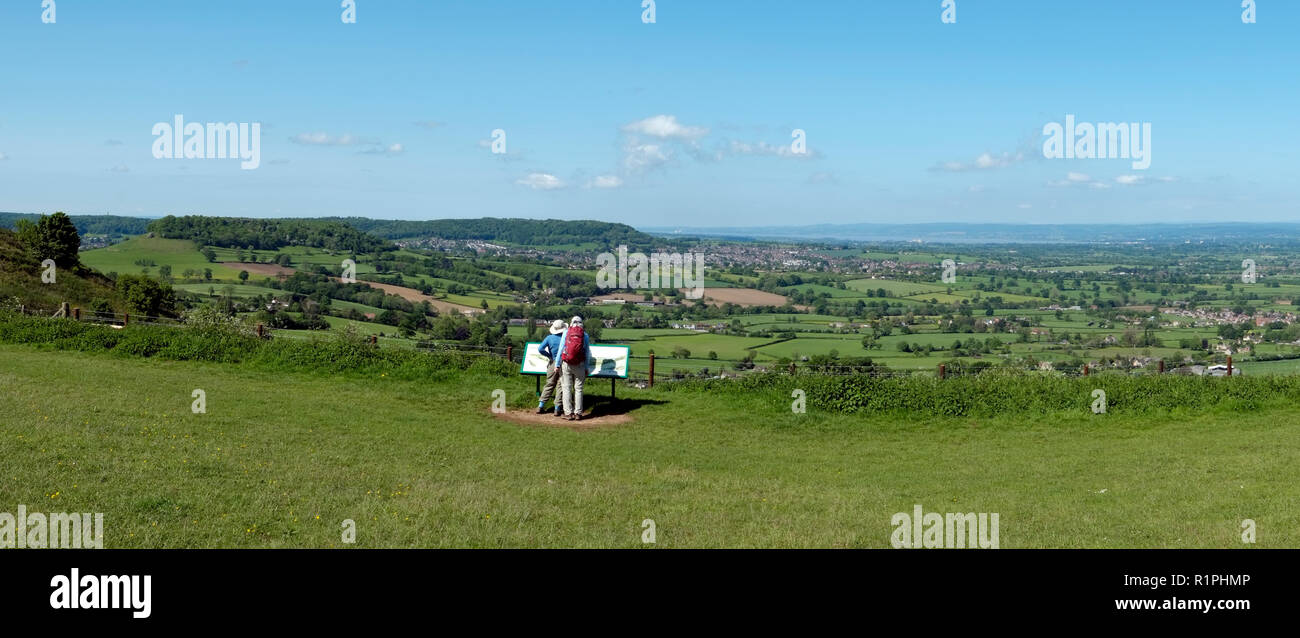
(374, 340)
(652, 369)
(1162, 366)
(943, 370)
(126, 319)
(1085, 369)
(76, 314)
(1229, 365)
(510, 353)
(261, 331)
(792, 367)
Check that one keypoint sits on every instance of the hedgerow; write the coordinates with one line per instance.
(337, 354)
(997, 394)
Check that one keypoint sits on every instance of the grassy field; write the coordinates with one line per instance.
(180, 254)
(281, 459)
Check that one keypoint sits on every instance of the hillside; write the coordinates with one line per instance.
(20, 276)
(422, 462)
(88, 224)
(267, 234)
(521, 232)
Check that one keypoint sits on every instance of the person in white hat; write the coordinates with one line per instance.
(550, 348)
(575, 356)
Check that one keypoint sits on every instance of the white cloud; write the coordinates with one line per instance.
(638, 158)
(606, 181)
(666, 127)
(391, 149)
(1129, 180)
(984, 162)
(1073, 178)
(541, 181)
(324, 139)
(763, 148)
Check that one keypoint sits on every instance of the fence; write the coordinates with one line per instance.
(678, 368)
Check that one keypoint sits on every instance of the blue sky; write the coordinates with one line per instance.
(684, 122)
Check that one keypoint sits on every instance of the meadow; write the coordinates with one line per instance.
(423, 463)
(180, 254)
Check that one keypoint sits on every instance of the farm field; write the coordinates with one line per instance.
(427, 465)
(177, 253)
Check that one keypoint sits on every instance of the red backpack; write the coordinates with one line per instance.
(572, 352)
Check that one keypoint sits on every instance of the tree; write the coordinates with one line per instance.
(209, 254)
(145, 295)
(243, 276)
(52, 237)
(165, 271)
(207, 274)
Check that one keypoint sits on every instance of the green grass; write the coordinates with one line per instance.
(180, 254)
(424, 464)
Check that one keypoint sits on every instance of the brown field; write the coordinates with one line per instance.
(741, 297)
(413, 295)
(629, 297)
(259, 270)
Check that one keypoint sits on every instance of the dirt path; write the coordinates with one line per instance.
(549, 420)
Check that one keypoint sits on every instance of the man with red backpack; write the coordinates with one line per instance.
(575, 355)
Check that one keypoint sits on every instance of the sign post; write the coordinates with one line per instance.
(607, 361)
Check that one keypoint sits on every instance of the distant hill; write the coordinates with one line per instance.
(20, 276)
(520, 232)
(267, 234)
(87, 224)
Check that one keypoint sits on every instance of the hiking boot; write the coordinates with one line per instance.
(559, 414)
(577, 417)
(540, 410)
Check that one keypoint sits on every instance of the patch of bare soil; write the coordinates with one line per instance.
(593, 421)
(413, 295)
(261, 270)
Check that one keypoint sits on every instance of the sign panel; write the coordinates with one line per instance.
(609, 361)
